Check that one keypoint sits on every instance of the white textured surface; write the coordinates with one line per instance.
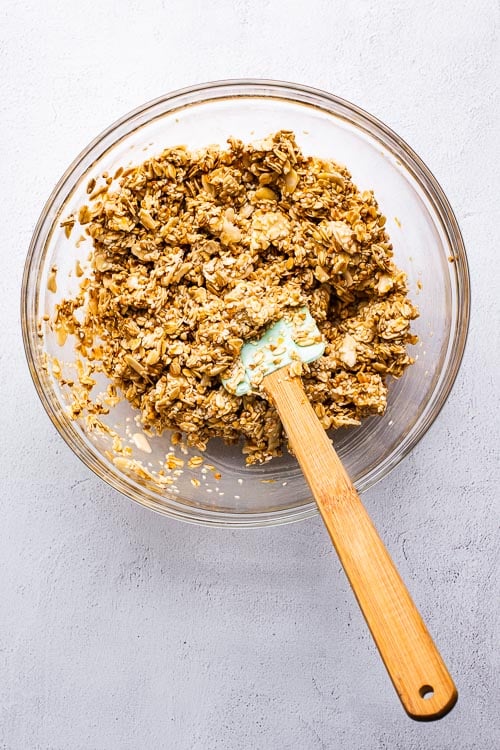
(120, 629)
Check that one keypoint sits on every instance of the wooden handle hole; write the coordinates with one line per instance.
(426, 692)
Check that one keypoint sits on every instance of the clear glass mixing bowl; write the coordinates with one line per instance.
(427, 245)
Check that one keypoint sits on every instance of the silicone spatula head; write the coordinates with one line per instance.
(294, 338)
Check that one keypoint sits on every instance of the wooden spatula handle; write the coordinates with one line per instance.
(414, 664)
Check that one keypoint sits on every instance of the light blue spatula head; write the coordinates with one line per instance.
(293, 338)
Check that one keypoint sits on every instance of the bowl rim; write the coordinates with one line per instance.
(284, 90)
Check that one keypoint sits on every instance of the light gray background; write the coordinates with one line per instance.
(120, 629)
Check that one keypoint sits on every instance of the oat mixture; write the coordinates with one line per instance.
(194, 253)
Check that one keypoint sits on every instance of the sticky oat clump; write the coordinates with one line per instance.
(195, 253)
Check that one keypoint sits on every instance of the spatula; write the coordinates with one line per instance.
(413, 662)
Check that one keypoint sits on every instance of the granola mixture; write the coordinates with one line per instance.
(194, 253)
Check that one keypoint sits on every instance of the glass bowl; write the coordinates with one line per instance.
(427, 245)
